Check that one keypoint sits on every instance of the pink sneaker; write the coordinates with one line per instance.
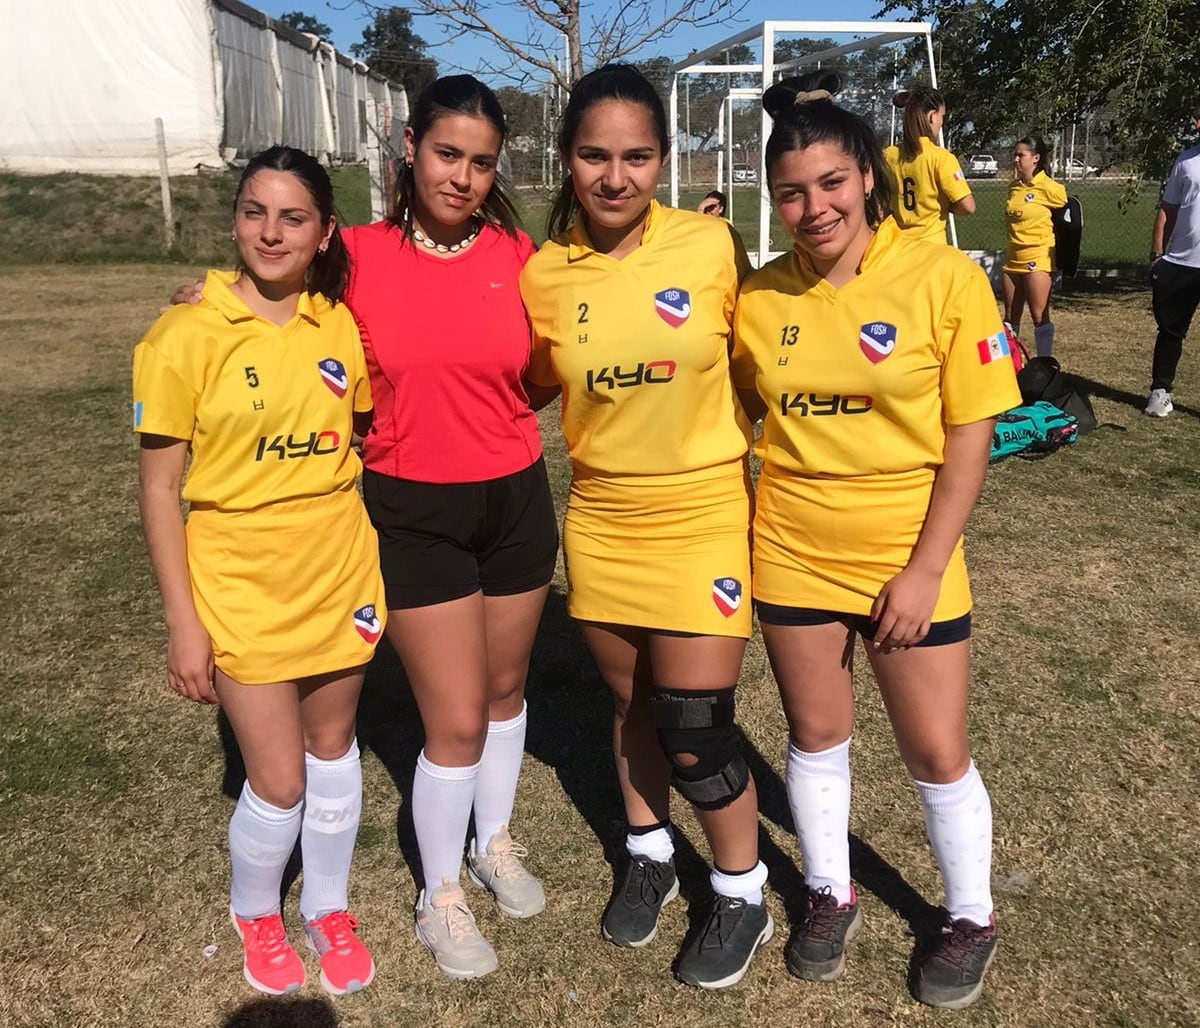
(270, 964)
(346, 964)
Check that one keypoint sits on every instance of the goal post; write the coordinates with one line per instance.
(766, 70)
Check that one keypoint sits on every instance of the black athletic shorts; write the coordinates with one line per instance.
(941, 633)
(443, 542)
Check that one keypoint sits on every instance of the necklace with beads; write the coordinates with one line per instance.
(462, 244)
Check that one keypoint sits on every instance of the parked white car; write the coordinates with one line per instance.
(745, 173)
(1075, 168)
(982, 165)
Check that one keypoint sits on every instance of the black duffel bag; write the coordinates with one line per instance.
(1043, 379)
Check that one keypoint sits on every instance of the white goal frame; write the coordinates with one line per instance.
(876, 32)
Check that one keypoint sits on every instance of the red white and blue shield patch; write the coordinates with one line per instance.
(333, 374)
(366, 623)
(877, 340)
(727, 595)
(673, 306)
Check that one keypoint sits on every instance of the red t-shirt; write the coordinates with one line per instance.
(446, 341)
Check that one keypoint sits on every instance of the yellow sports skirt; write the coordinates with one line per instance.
(289, 590)
(1024, 259)
(832, 544)
(665, 552)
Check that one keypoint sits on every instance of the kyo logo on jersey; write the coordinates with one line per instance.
(877, 340)
(673, 306)
(727, 595)
(366, 623)
(333, 374)
(642, 373)
(293, 446)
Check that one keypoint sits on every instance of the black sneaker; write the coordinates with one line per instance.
(721, 953)
(952, 975)
(632, 917)
(817, 952)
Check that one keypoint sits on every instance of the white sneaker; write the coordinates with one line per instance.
(1159, 404)
(499, 870)
(448, 930)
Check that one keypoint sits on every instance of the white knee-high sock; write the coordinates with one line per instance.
(818, 788)
(958, 821)
(261, 839)
(499, 769)
(1043, 339)
(332, 808)
(441, 808)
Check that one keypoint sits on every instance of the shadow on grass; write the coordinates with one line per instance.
(1135, 400)
(282, 1012)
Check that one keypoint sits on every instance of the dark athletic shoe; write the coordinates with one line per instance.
(817, 952)
(952, 975)
(632, 917)
(722, 952)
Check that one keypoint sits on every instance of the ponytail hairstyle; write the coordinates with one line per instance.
(453, 94)
(1037, 145)
(918, 104)
(804, 114)
(622, 82)
(328, 272)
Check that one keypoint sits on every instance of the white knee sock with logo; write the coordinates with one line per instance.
(958, 821)
(261, 839)
(499, 769)
(818, 788)
(332, 809)
(441, 808)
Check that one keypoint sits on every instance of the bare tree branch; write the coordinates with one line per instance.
(595, 35)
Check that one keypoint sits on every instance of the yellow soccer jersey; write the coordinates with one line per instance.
(641, 345)
(863, 380)
(1027, 212)
(267, 409)
(925, 188)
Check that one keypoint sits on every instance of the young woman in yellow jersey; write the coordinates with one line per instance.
(631, 306)
(927, 181)
(1029, 259)
(879, 362)
(272, 591)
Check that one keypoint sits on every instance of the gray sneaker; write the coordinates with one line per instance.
(721, 954)
(499, 870)
(447, 929)
(952, 975)
(817, 951)
(632, 917)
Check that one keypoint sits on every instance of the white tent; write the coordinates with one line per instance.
(84, 81)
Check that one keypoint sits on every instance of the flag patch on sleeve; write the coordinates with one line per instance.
(137, 413)
(958, 176)
(993, 348)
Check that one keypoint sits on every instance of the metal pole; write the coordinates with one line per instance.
(687, 113)
(165, 183)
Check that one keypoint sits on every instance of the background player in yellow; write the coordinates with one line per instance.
(631, 305)
(1029, 257)
(927, 181)
(272, 592)
(879, 363)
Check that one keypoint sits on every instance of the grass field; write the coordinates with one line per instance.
(1085, 718)
(90, 218)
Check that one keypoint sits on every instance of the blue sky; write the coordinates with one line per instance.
(348, 19)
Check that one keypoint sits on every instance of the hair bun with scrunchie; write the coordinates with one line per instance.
(901, 98)
(806, 88)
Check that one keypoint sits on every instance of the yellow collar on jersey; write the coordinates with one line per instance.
(886, 236)
(217, 292)
(579, 244)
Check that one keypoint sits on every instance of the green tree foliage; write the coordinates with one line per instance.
(1019, 65)
(391, 47)
(302, 22)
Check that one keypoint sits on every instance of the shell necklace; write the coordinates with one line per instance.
(462, 244)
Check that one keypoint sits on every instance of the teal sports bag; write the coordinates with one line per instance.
(1033, 431)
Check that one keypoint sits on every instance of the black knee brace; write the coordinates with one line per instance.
(700, 724)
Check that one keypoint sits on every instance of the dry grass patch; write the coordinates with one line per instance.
(1085, 718)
